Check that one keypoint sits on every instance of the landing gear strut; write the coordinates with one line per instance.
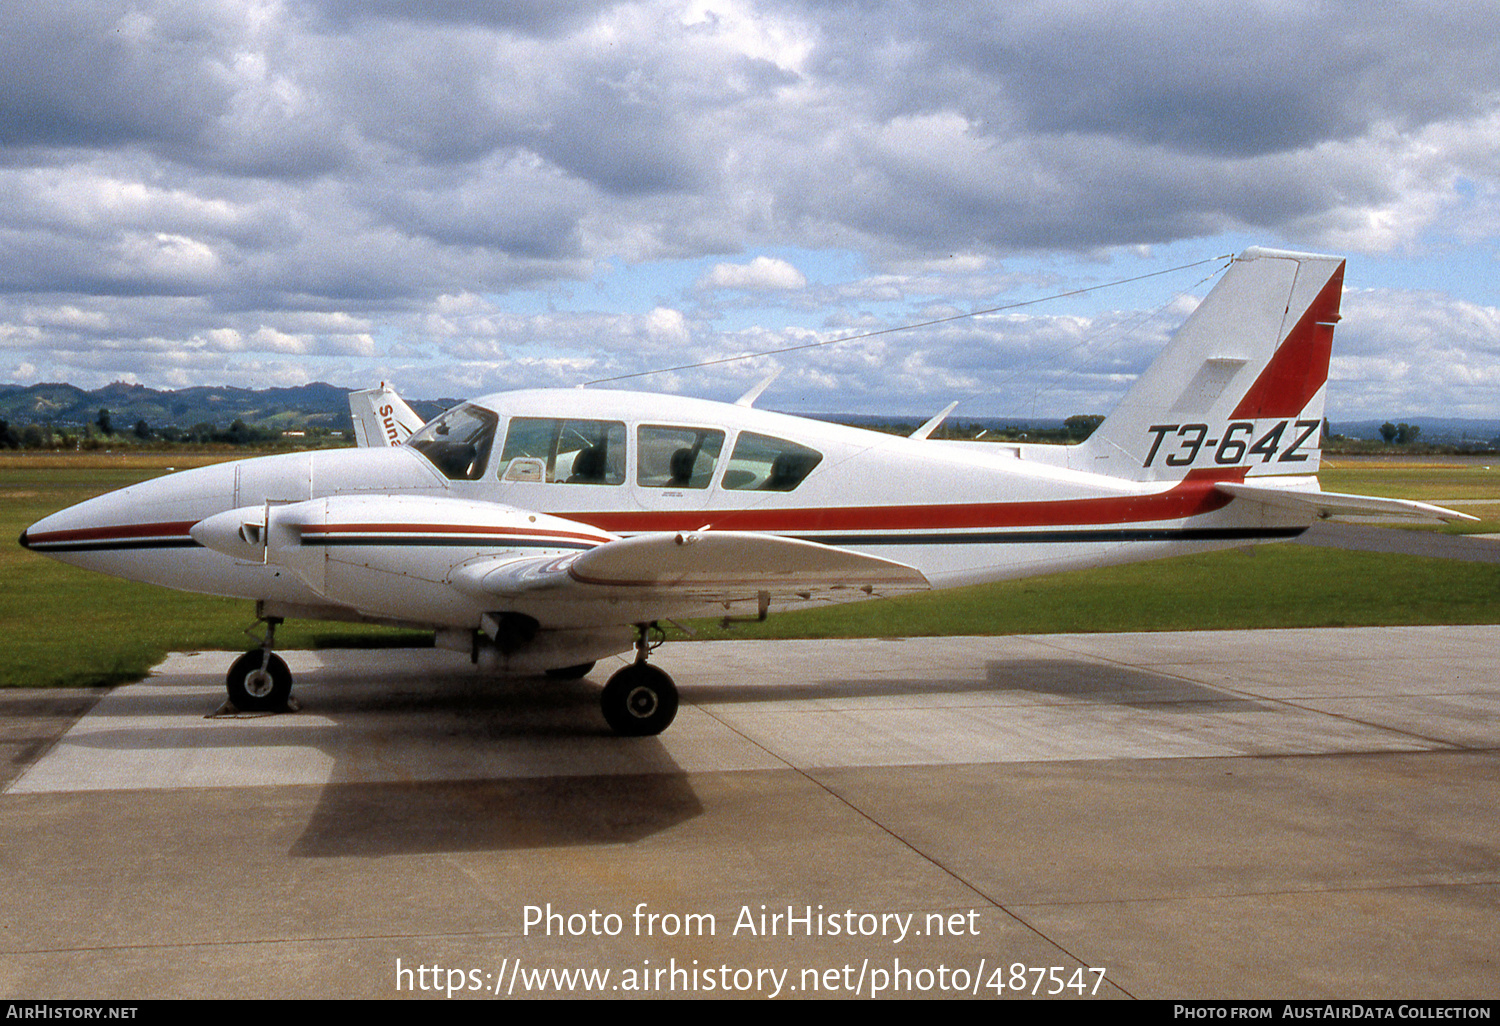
(639, 699)
(259, 680)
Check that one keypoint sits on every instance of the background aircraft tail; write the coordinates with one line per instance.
(1240, 387)
(381, 417)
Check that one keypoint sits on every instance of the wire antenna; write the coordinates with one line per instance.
(903, 327)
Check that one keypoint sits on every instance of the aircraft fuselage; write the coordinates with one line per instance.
(959, 513)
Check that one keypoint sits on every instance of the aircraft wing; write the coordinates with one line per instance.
(1302, 498)
(690, 573)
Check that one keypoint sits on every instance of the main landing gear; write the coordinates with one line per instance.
(639, 699)
(259, 680)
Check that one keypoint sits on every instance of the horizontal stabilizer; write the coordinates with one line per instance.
(1329, 504)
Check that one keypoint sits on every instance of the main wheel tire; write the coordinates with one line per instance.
(570, 672)
(639, 700)
(252, 689)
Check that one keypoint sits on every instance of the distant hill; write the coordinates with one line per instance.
(323, 405)
(62, 405)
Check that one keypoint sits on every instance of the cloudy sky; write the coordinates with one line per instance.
(461, 196)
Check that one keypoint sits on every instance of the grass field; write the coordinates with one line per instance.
(68, 627)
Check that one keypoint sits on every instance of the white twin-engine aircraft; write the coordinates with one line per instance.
(541, 531)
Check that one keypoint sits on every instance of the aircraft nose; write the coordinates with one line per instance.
(99, 533)
(101, 524)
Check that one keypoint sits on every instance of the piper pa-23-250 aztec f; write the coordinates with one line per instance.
(541, 531)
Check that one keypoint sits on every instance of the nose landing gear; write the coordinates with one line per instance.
(259, 680)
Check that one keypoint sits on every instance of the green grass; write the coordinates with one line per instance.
(66, 627)
(69, 627)
(1425, 481)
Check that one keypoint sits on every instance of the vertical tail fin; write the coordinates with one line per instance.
(381, 417)
(1240, 387)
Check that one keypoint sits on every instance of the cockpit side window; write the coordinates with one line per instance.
(676, 457)
(568, 451)
(762, 463)
(458, 442)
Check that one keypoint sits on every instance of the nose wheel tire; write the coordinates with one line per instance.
(639, 700)
(258, 684)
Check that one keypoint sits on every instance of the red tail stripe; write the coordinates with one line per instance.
(1300, 366)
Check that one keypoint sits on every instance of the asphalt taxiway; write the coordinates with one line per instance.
(1308, 813)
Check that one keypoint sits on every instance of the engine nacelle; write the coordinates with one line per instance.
(392, 556)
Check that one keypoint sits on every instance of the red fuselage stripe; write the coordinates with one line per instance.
(326, 529)
(1193, 496)
(119, 532)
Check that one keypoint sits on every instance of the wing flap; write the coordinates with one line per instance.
(1302, 498)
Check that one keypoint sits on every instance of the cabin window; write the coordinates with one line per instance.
(458, 442)
(677, 457)
(567, 451)
(761, 463)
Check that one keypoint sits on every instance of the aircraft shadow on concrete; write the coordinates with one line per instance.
(556, 811)
(372, 820)
(644, 791)
(462, 706)
(1079, 679)
(545, 811)
(1113, 684)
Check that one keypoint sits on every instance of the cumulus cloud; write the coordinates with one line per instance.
(1393, 345)
(763, 274)
(667, 326)
(359, 188)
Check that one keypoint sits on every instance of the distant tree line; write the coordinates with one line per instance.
(101, 432)
(1400, 434)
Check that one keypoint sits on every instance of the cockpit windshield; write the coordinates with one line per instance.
(458, 443)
